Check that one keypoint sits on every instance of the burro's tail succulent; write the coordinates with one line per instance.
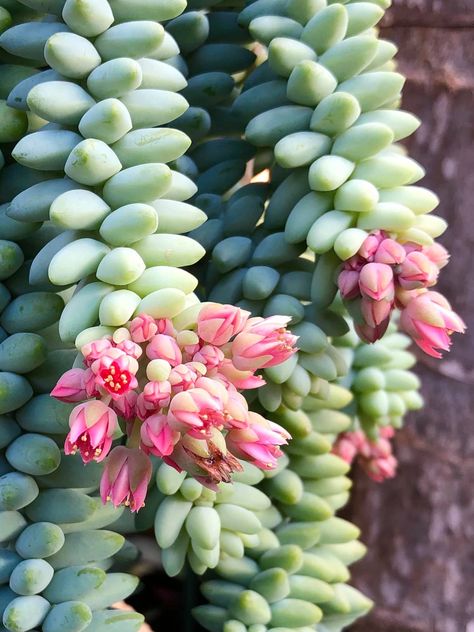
(209, 234)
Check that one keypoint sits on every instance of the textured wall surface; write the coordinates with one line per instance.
(420, 527)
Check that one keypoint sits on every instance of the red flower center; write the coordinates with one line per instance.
(116, 380)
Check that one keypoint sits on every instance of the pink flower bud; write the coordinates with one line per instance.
(92, 427)
(264, 342)
(182, 377)
(125, 478)
(437, 254)
(430, 321)
(259, 442)
(196, 411)
(92, 351)
(390, 252)
(157, 436)
(243, 380)
(155, 396)
(375, 312)
(376, 281)
(417, 271)
(164, 347)
(70, 387)
(371, 244)
(217, 324)
(125, 406)
(207, 459)
(209, 355)
(381, 469)
(130, 348)
(372, 334)
(143, 328)
(348, 283)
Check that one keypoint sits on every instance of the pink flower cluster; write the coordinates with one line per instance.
(375, 457)
(179, 395)
(385, 275)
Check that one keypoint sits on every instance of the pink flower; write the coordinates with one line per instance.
(157, 436)
(243, 380)
(259, 442)
(116, 373)
(390, 252)
(376, 281)
(417, 271)
(349, 445)
(217, 324)
(90, 384)
(236, 411)
(375, 312)
(125, 478)
(371, 245)
(130, 348)
(430, 321)
(264, 342)
(380, 469)
(371, 334)
(196, 411)
(165, 326)
(143, 328)
(207, 459)
(209, 355)
(437, 254)
(155, 395)
(92, 427)
(70, 387)
(164, 347)
(92, 351)
(348, 283)
(125, 405)
(183, 377)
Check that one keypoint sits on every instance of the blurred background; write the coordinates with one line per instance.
(419, 527)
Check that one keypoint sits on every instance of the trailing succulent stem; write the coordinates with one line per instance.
(207, 227)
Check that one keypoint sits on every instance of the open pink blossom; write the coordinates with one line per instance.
(430, 321)
(164, 347)
(217, 324)
(155, 396)
(92, 426)
(264, 342)
(70, 387)
(125, 479)
(116, 373)
(376, 281)
(157, 436)
(259, 442)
